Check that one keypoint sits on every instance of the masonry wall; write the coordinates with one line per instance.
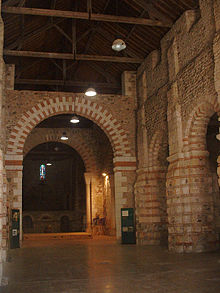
(4, 204)
(113, 114)
(95, 150)
(177, 95)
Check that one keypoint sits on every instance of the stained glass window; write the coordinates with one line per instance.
(42, 172)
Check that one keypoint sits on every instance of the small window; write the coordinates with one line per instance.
(42, 172)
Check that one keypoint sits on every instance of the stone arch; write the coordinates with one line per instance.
(123, 149)
(196, 184)
(195, 133)
(154, 209)
(61, 105)
(38, 137)
(157, 142)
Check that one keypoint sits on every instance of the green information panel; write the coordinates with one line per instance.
(128, 235)
(15, 229)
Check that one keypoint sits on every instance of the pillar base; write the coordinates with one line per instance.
(197, 242)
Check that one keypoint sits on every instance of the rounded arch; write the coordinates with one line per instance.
(62, 105)
(195, 133)
(157, 143)
(37, 137)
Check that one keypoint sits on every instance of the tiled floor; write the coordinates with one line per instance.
(103, 266)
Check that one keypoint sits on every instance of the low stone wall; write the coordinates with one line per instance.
(51, 222)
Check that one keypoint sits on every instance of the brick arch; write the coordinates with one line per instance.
(61, 105)
(196, 128)
(79, 145)
(157, 142)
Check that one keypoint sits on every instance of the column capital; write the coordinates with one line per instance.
(88, 177)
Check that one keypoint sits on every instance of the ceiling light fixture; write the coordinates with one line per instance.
(64, 136)
(74, 119)
(90, 92)
(118, 45)
(49, 164)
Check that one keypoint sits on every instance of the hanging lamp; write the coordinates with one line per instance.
(90, 92)
(74, 119)
(64, 136)
(118, 45)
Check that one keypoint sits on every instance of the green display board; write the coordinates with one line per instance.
(128, 226)
(15, 229)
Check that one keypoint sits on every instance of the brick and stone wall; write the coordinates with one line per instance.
(178, 92)
(173, 95)
(113, 114)
(96, 152)
(51, 221)
(3, 182)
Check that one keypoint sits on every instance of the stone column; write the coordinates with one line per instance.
(14, 167)
(112, 187)
(218, 159)
(9, 76)
(216, 51)
(2, 248)
(129, 83)
(88, 180)
(2, 143)
(124, 178)
(189, 190)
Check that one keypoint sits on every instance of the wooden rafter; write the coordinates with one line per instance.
(152, 11)
(70, 56)
(108, 76)
(67, 83)
(84, 15)
(10, 2)
(63, 33)
(34, 33)
(22, 69)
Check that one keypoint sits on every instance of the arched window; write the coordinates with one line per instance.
(42, 172)
(27, 224)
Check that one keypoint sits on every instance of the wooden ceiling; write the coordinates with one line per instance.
(65, 45)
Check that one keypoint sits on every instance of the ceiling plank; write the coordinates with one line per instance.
(108, 76)
(10, 2)
(67, 83)
(23, 68)
(34, 33)
(21, 3)
(70, 56)
(63, 33)
(57, 65)
(84, 15)
(153, 12)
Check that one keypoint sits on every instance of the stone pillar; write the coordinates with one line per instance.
(124, 178)
(216, 51)
(112, 188)
(218, 159)
(9, 76)
(2, 248)
(189, 190)
(2, 143)
(88, 180)
(14, 167)
(129, 83)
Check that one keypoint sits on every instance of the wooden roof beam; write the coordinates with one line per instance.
(69, 56)
(67, 83)
(10, 2)
(34, 33)
(84, 15)
(152, 11)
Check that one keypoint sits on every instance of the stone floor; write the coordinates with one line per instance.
(103, 266)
